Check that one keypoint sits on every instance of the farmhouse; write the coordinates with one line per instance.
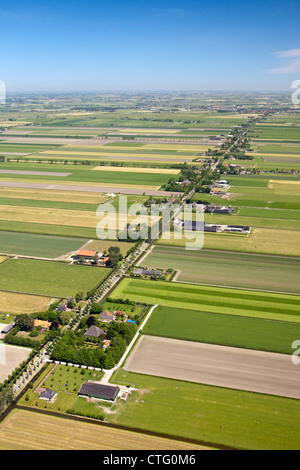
(218, 209)
(94, 332)
(85, 254)
(45, 325)
(147, 272)
(106, 316)
(47, 394)
(97, 390)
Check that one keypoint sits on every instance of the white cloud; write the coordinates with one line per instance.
(291, 64)
(287, 54)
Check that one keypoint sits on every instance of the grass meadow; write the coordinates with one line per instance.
(225, 330)
(57, 279)
(29, 244)
(244, 303)
(217, 415)
(262, 272)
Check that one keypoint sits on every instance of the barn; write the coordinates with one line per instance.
(97, 390)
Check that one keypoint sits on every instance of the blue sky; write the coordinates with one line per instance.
(149, 45)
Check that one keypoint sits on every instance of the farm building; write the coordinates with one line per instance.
(7, 328)
(94, 332)
(197, 226)
(147, 272)
(106, 316)
(97, 390)
(45, 325)
(86, 254)
(218, 209)
(47, 394)
(238, 228)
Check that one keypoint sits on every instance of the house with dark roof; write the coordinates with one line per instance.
(99, 391)
(94, 332)
(47, 394)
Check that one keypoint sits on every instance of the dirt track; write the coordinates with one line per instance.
(222, 366)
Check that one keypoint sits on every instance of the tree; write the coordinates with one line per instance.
(24, 322)
(91, 321)
(79, 296)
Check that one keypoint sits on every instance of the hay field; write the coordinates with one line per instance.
(119, 187)
(128, 169)
(63, 217)
(261, 240)
(15, 304)
(26, 430)
(52, 195)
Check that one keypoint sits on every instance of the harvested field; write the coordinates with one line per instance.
(63, 434)
(96, 188)
(236, 368)
(63, 217)
(34, 173)
(15, 304)
(52, 195)
(128, 169)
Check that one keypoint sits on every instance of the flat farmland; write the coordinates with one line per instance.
(221, 366)
(246, 303)
(51, 195)
(213, 414)
(103, 245)
(59, 435)
(74, 218)
(261, 241)
(15, 303)
(50, 278)
(262, 272)
(226, 330)
(27, 244)
(126, 169)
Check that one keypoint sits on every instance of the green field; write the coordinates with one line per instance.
(29, 244)
(262, 272)
(211, 299)
(222, 416)
(225, 330)
(50, 278)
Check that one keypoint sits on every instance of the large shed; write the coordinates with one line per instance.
(97, 390)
